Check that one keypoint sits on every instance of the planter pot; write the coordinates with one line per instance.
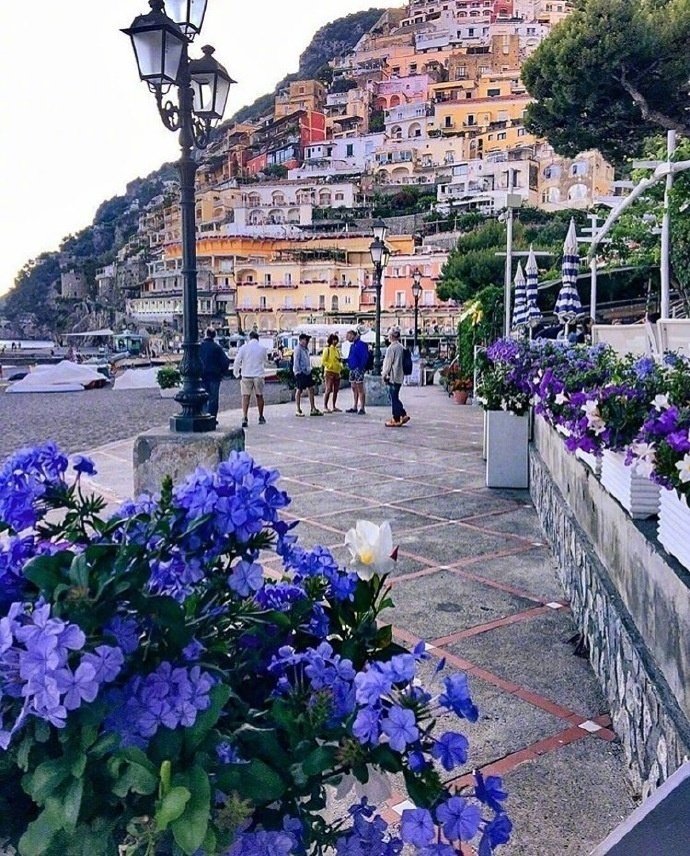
(170, 392)
(589, 460)
(460, 396)
(636, 493)
(674, 526)
(507, 449)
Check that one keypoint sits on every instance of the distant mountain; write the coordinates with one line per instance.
(332, 41)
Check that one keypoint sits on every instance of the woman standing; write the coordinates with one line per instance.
(331, 363)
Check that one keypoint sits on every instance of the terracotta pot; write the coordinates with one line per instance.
(460, 396)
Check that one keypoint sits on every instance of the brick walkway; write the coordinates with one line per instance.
(475, 581)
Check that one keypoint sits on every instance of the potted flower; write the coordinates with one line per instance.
(161, 694)
(461, 390)
(169, 380)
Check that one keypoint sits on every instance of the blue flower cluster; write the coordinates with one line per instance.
(24, 480)
(169, 696)
(369, 835)
(39, 672)
(263, 843)
(318, 562)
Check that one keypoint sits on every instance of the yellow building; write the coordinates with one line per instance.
(300, 95)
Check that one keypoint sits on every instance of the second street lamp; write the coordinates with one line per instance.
(161, 47)
(379, 257)
(416, 293)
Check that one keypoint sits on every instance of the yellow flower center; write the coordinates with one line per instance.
(367, 556)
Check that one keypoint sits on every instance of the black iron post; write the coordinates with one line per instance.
(416, 321)
(192, 397)
(378, 272)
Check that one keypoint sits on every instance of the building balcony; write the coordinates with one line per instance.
(277, 285)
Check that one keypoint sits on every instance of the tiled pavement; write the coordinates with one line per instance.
(475, 581)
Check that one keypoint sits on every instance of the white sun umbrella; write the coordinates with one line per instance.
(532, 271)
(568, 305)
(520, 301)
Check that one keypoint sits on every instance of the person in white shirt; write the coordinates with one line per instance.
(250, 366)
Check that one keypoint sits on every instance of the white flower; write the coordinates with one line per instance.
(590, 408)
(371, 547)
(683, 468)
(561, 398)
(661, 402)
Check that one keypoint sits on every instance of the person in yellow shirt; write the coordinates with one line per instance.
(331, 362)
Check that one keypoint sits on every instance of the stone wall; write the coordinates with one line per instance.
(631, 603)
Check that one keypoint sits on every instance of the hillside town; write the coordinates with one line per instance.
(430, 100)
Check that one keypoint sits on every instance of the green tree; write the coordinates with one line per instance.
(610, 75)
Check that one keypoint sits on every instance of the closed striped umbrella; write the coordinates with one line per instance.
(568, 305)
(520, 301)
(532, 271)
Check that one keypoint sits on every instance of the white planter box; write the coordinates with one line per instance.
(674, 526)
(170, 392)
(589, 460)
(507, 449)
(636, 493)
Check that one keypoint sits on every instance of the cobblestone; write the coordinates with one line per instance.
(80, 421)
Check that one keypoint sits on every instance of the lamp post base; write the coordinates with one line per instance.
(376, 391)
(200, 424)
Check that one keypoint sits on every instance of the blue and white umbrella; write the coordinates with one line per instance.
(533, 311)
(520, 301)
(568, 305)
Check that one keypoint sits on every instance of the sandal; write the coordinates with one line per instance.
(299, 413)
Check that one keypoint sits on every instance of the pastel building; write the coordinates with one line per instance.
(401, 90)
(483, 184)
(572, 182)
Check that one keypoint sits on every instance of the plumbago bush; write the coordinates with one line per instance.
(161, 692)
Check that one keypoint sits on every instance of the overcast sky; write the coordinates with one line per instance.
(77, 124)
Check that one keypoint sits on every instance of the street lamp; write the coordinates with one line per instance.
(161, 42)
(379, 257)
(416, 293)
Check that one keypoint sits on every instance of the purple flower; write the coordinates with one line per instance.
(263, 843)
(246, 578)
(457, 697)
(490, 791)
(417, 827)
(371, 685)
(83, 465)
(367, 726)
(401, 728)
(460, 819)
(227, 754)
(451, 750)
(78, 686)
(125, 631)
(495, 833)
(106, 661)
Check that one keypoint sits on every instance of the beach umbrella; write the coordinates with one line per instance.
(520, 301)
(532, 271)
(568, 306)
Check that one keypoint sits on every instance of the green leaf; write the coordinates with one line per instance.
(45, 572)
(79, 571)
(191, 828)
(39, 834)
(139, 776)
(255, 781)
(322, 758)
(66, 804)
(171, 807)
(48, 776)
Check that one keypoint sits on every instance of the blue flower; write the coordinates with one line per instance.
(107, 662)
(460, 819)
(125, 631)
(401, 728)
(451, 750)
(417, 827)
(490, 791)
(78, 686)
(367, 726)
(246, 578)
(457, 697)
(83, 465)
(371, 685)
(263, 843)
(495, 833)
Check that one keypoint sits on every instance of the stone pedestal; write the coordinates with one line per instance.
(507, 449)
(376, 391)
(160, 453)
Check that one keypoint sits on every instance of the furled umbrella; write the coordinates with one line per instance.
(568, 305)
(532, 271)
(520, 301)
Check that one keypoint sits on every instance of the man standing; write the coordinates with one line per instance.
(301, 368)
(394, 376)
(357, 360)
(249, 365)
(214, 364)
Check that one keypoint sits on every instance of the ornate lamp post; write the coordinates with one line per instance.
(379, 257)
(161, 42)
(416, 293)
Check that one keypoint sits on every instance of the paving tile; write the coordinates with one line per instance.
(459, 505)
(533, 571)
(537, 655)
(401, 521)
(447, 544)
(326, 502)
(522, 522)
(566, 802)
(441, 603)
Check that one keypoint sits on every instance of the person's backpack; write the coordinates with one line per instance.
(370, 361)
(407, 362)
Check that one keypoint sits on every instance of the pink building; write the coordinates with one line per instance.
(401, 90)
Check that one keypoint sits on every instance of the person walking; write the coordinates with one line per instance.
(357, 360)
(331, 362)
(393, 374)
(301, 368)
(250, 366)
(214, 364)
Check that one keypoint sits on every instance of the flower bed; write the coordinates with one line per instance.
(161, 692)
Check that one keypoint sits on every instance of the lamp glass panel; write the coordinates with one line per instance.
(187, 14)
(380, 230)
(148, 49)
(173, 56)
(376, 250)
(202, 90)
(386, 256)
(221, 99)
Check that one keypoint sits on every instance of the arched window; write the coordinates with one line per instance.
(334, 303)
(577, 192)
(396, 132)
(415, 130)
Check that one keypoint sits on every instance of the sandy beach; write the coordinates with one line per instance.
(83, 420)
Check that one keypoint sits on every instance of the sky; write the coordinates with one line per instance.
(78, 124)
